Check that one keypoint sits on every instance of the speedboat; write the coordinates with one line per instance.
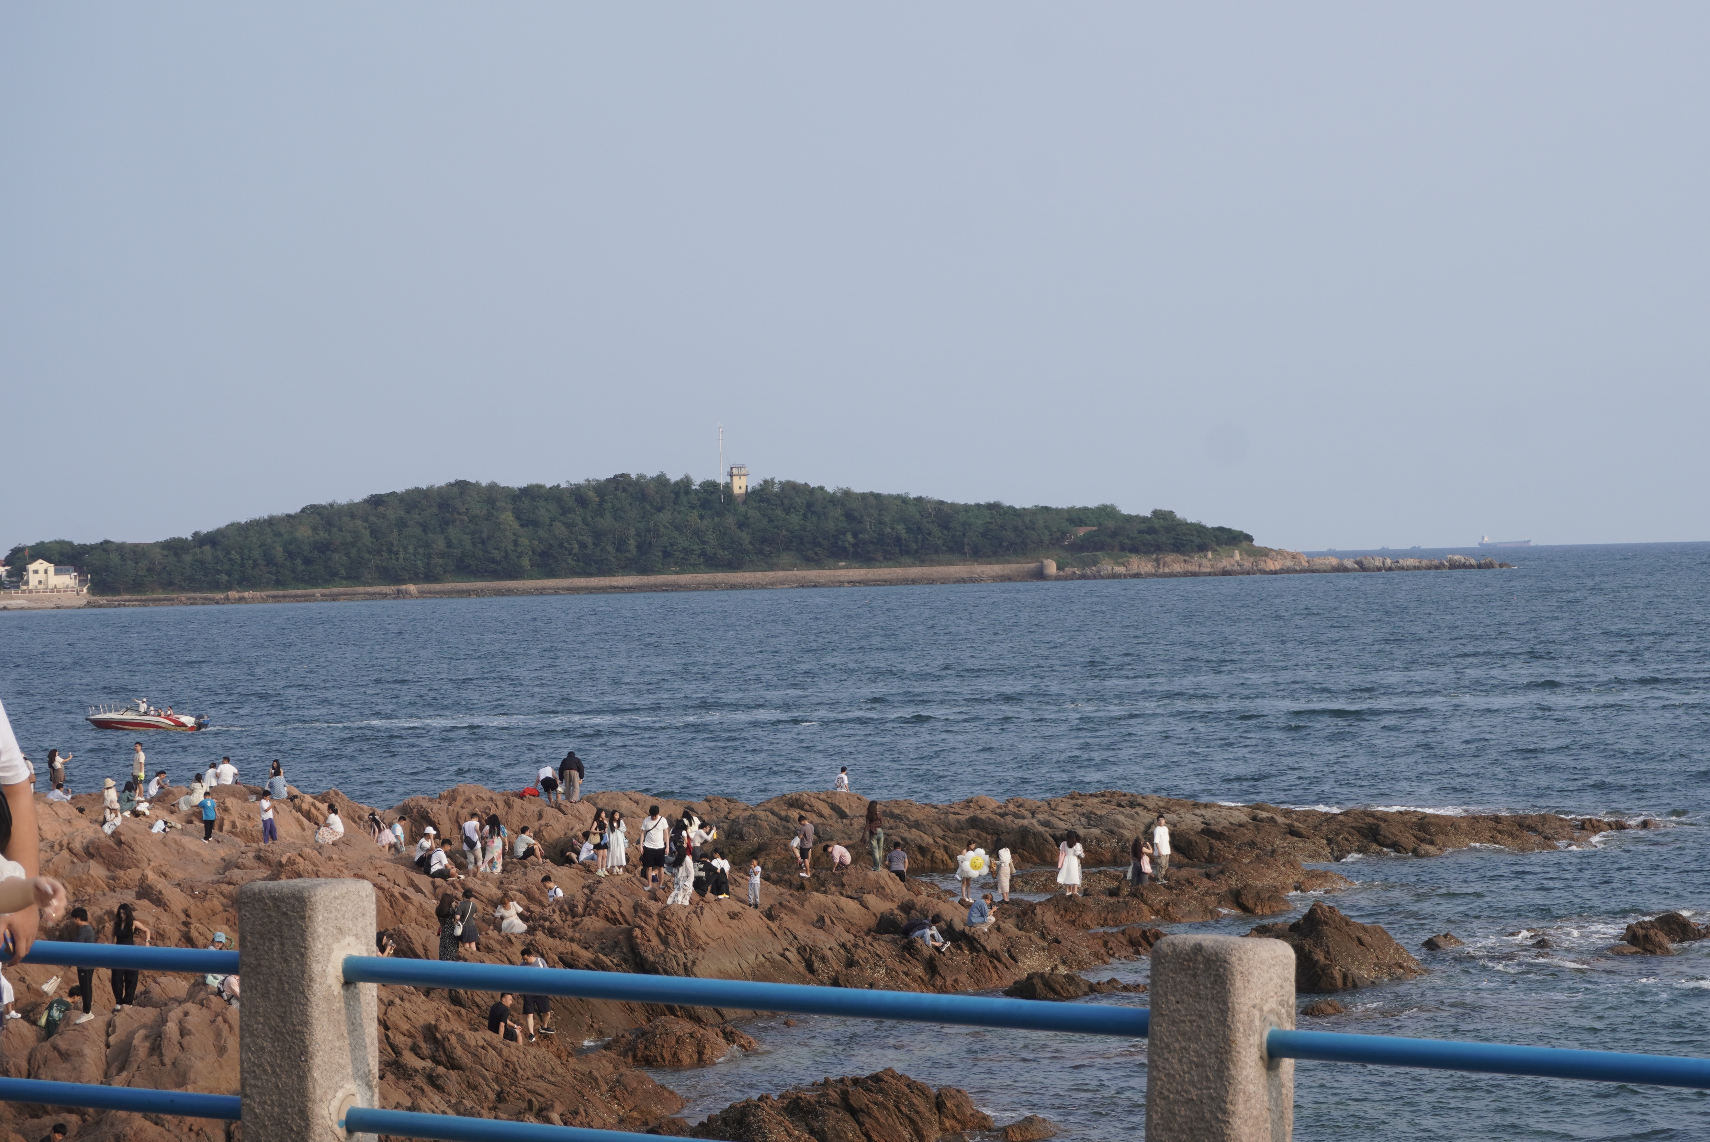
(139, 715)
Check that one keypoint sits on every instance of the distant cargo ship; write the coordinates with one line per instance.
(1489, 542)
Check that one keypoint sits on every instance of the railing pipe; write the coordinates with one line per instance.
(408, 1124)
(1490, 1058)
(143, 1100)
(743, 995)
(198, 961)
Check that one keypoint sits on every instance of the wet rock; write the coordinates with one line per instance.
(1442, 942)
(673, 1042)
(883, 1107)
(1542, 942)
(1671, 926)
(1647, 823)
(1030, 1129)
(1319, 1008)
(1334, 953)
(1647, 940)
(1052, 985)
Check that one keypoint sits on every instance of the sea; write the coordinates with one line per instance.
(1576, 683)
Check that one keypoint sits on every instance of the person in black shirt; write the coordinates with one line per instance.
(57, 1134)
(83, 932)
(499, 1020)
(570, 774)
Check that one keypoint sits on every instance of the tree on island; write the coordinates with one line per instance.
(640, 525)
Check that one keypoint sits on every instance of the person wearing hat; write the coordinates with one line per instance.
(110, 794)
(426, 847)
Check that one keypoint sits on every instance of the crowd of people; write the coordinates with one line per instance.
(677, 856)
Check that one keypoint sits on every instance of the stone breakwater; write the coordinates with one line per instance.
(1257, 561)
(841, 930)
(1269, 561)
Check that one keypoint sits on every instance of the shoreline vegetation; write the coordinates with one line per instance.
(1253, 561)
(845, 929)
(622, 526)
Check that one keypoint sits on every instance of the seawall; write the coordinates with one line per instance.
(1266, 562)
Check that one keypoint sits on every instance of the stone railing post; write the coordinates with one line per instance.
(308, 1042)
(1207, 1077)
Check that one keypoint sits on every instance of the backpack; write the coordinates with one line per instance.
(54, 1015)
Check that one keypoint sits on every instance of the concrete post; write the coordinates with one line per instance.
(308, 1042)
(1207, 1077)
(1047, 568)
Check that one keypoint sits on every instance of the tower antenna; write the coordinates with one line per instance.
(721, 462)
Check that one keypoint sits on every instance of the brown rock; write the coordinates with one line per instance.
(673, 1042)
(883, 1107)
(1649, 941)
(1334, 953)
(1671, 926)
(1319, 1008)
(1052, 985)
(1442, 943)
(1030, 1129)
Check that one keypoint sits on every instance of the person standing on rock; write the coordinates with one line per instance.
(1005, 867)
(570, 774)
(804, 845)
(897, 861)
(546, 780)
(1069, 854)
(874, 831)
(469, 935)
(126, 930)
(472, 842)
(655, 830)
(1138, 863)
(617, 854)
(269, 830)
(56, 766)
(83, 932)
(841, 784)
(533, 1005)
(445, 912)
(970, 863)
(139, 764)
(209, 809)
(754, 874)
(1161, 847)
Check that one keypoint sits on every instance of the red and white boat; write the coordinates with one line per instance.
(139, 715)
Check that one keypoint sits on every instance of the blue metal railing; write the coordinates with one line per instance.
(1490, 1058)
(797, 999)
(965, 1010)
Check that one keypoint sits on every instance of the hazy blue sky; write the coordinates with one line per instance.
(1343, 275)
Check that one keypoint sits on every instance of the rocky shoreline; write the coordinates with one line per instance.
(1256, 561)
(833, 929)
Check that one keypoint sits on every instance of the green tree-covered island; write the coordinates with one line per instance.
(624, 525)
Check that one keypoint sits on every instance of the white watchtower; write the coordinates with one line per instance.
(739, 481)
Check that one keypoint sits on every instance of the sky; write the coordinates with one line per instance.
(1342, 275)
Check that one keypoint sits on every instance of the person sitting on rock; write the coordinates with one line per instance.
(157, 784)
(57, 1134)
(333, 829)
(980, 916)
(553, 893)
(439, 864)
(427, 846)
(499, 1020)
(840, 859)
(718, 875)
(59, 793)
(927, 932)
(526, 848)
(509, 915)
(588, 853)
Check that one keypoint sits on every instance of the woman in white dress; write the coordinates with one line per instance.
(1069, 854)
(1005, 866)
(617, 856)
(509, 917)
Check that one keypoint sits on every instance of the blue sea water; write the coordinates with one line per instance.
(1578, 682)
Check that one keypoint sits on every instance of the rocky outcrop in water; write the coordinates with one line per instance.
(1334, 953)
(1657, 937)
(1261, 561)
(1442, 943)
(884, 1107)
